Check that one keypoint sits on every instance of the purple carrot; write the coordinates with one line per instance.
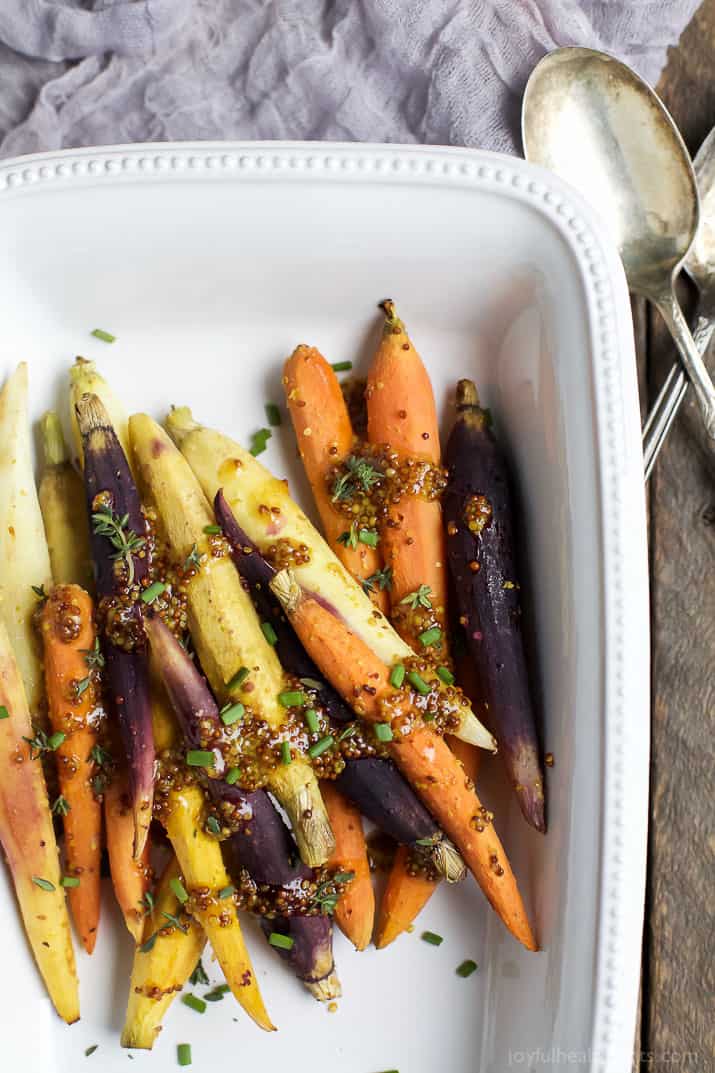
(262, 845)
(373, 784)
(118, 536)
(480, 551)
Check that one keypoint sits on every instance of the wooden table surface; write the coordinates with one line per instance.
(677, 1030)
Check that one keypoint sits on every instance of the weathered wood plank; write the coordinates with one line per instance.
(677, 1025)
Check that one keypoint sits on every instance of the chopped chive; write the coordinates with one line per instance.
(149, 595)
(183, 1054)
(321, 746)
(200, 758)
(418, 682)
(432, 938)
(212, 530)
(311, 683)
(397, 675)
(286, 754)
(383, 731)
(194, 1003)
(106, 337)
(226, 892)
(369, 537)
(213, 825)
(273, 414)
(198, 976)
(430, 637)
(216, 994)
(43, 884)
(466, 968)
(341, 366)
(55, 740)
(4, 713)
(232, 713)
(149, 945)
(311, 718)
(90, 1050)
(238, 679)
(283, 942)
(269, 633)
(292, 699)
(446, 675)
(179, 890)
(232, 775)
(69, 881)
(259, 441)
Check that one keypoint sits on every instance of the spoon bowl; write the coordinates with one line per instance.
(592, 120)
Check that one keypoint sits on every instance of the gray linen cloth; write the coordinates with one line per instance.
(78, 72)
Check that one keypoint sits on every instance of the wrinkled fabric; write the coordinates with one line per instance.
(94, 72)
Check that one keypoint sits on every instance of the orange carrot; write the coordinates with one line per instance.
(405, 896)
(422, 755)
(325, 439)
(407, 892)
(67, 630)
(355, 912)
(130, 877)
(401, 414)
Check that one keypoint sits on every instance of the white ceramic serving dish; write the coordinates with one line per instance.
(210, 262)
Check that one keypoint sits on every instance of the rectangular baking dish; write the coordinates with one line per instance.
(210, 262)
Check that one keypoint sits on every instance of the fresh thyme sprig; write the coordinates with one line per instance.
(359, 475)
(125, 541)
(419, 598)
(381, 578)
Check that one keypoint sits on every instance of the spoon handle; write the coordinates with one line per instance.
(671, 395)
(694, 365)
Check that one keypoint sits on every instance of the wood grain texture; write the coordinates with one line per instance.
(677, 1014)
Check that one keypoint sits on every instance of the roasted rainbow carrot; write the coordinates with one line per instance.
(421, 753)
(131, 876)
(67, 630)
(325, 440)
(28, 841)
(355, 912)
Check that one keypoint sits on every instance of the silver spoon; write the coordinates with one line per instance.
(592, 120)
(700, 266)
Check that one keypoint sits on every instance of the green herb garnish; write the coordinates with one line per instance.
(269, 633)
(432, 938)
(321, 746)
(194, 1003)
(231, 713)
(39, 591)
(286, 754)
(359, 475)
(311, 683)
(382, 578)
(292, 699)
(100, 756)
(341, 366)
(179, 890)
(445, 675)
(311, 718)
(383, 732)
(183, 1054)
(43, 884)
(397, 675)
(327, 894)
(193, 559)
(81, 686)
(125, 542)
(69, 881)
(232, 776)
(419, 598)
(93, 656)
(198, 976)
(466, 968)
(417, 681)
(155, 589)
(350, 537)
(106, 337)
(273, 414)
(216, 994)
(212, 530)
(200, 758)
(42, 744)
(283, 942)
(226, 892)
(350, 729)
(238, 679)
(90, 1050)
(259, 441)
(213, 825)
(430, 637)
(369, 536)
(175, 922)
(4, 713)
(60, 806)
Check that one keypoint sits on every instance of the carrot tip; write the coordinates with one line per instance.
(531, 803)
